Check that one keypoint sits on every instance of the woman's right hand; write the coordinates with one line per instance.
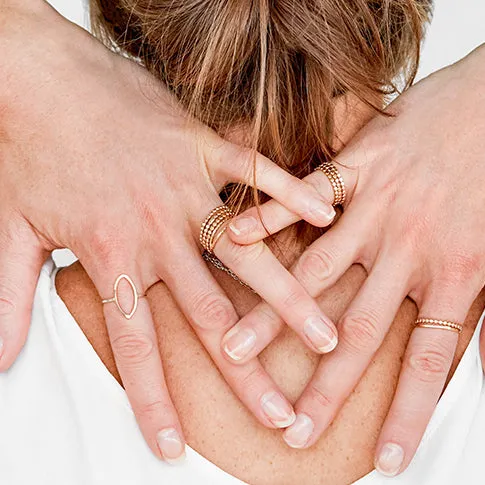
(97, 157)
(414, 219)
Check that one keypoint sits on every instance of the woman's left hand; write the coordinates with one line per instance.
(415, 219)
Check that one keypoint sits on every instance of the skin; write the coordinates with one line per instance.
(447, 265)
(218, 426)
(74, 119)
(415, 221)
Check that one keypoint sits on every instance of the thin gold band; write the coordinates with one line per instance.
(336, 181)
(443, 324)
(214, 226)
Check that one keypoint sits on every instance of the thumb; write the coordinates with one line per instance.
(21, 258)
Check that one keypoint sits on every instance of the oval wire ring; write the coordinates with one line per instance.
(115, 299)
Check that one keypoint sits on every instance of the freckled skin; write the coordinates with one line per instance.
(220, 428)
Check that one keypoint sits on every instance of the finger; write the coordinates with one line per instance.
(260, 269)
(297, 196)
(257, 223)
(325, 261)
(21, 258)
(426, 365)
(211, 313)
(362, 329)
(318, 268)
(137, 357)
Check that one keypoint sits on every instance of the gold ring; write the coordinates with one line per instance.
(116, 299)
(214, 226)
(444, 324)
(336, 181)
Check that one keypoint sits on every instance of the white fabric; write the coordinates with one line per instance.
(64, 420)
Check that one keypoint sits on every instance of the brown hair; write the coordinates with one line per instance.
(276, 66)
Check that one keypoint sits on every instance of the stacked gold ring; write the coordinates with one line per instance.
(336, 180)
(214, 226)
(443, 324)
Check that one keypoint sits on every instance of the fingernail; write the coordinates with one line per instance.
(298, 434)
(390, 459)
(323, 210)
(171, 446)
(320, 334)
(278, 410)
(243, 225)
(238, 342)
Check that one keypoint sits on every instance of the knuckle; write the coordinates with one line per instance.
(294, 297)
(360, 331)
(316, 264)
(245, 255)
(154, 409)
(460, 269)
(133, 348)
(106, 245)
(212, 310)
(267, 318)
(429, 364)
(293, 188)
(321, 398)
(251, 382)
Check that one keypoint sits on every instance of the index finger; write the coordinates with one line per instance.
(257, 223)
(255, 170)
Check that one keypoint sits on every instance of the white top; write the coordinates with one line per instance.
(64, 420)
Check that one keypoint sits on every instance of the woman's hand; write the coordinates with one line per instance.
(415, 219)
(97, 157)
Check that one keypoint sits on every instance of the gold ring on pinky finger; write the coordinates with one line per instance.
(336, 181)
(443, 324)
(116, 299)
(214, 226)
